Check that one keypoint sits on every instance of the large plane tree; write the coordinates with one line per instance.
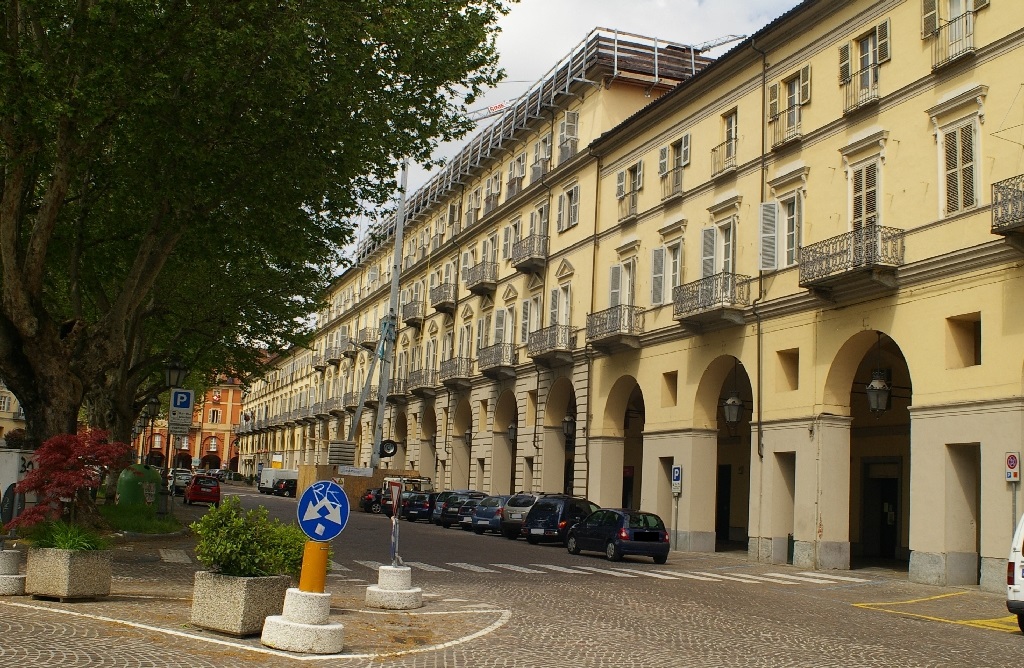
(178, 177)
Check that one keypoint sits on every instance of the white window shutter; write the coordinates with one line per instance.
(505, 244)
(615, 285)
(769, 235)
(882, 39)
(568, 305)
(553, 315)
(657, 276)
(479, 335)
(572, 119)
(465, 264)
(685, 150)
(639, 174)
(524, 326)
(663, 161)
(844, 63)
(620, 185)
(805, 84)
(930, 17)
(560, 219)
(773, 101)
(499, 326)
(497, 183)
(707, 251)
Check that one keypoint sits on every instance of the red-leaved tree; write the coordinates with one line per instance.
(67, 471)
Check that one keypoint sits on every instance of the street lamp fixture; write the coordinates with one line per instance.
(512, 432)
(568, 426)
(468, 437)
(732, 408)
(176, 372)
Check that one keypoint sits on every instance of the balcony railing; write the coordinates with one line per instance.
(672, 183)
(497, 361)
(513, 187)
(348, 348)
(455, 372)
(953, 40)
(482, 277)
(723, 157)
(368, 337)
(320, 410)
(442, 297)
(350, 400)
(413, 313)
(567, 149)
(539, 169)
(397, 389)
(621, 320)
(422, 382)
(530, 254)
(720, 291)
(333, 355)
(861, 89)
(871, 246)
(785, 126)
(1008, 205)
(627, 206)
(319, 362)
(372, 397)
(552, 344)
(333, 405)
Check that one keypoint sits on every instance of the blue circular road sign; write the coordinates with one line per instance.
(323, 510)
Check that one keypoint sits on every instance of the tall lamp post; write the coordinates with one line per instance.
(151, 410)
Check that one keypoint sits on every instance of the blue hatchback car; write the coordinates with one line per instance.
(618, 532)
(488, 513)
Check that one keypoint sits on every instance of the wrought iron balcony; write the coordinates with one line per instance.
(398, 392)
(530, 255)
(333, 406)
(442, 298)
(953, 40)
(413, 313)
(348, 347)
(373, 397)
(785, 126)
(672, 184)
(367, 337)
(714, 298)
(482, 278)
(1008, 209)
(455, 373)
(350, 401)
(539, 169)
(615, 329)
(873, 250)
(860, 90)
(723, 157)
(552, 346)
(627, 206)
(567, 149)
(513, 187)
(320, 410)
(423, 383)
(498, 361)
(333, 355)
(319, 363)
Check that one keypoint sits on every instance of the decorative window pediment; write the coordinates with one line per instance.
(565, 270)
(510, 294)
(467, 313)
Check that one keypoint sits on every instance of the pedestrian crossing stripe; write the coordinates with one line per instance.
(517, 569)
(830, 576)
(372, 565)
(690, 576)
(561, 569)
(427, 567)
(650, 574)
(472, 567)
(800, 578)
(607, 572)
(335, 566)
(733, 577)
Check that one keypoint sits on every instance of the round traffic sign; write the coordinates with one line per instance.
(323, 510)
(1011, 462)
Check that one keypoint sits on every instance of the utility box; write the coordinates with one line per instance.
(138, 485)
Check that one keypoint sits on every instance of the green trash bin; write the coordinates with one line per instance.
(138, 485)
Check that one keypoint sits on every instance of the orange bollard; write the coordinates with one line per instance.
(313, 576)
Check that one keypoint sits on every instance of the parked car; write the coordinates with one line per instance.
(178, 480)
(439, 502)
(516, 509)
(450, 510)
(203, 489)
(419, 506)
(551, 517)
(488, 513)
(286, 487)
(385, 503)
(466, 511)
(1015, 575)
(370, 500)
(619, 532)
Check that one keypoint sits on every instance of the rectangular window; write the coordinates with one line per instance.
(865, 195)
(675, 265)
(657, 276)
(958, 147)
(214, 416)
(568, 209)
(5, 403)
(524, 334)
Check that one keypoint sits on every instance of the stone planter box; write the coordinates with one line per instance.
(67, 574)
(236, 605)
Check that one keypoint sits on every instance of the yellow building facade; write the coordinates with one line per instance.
(792, 276)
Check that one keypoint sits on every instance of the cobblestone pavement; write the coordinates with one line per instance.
(738, 614)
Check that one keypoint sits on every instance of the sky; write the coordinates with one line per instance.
(536, 34)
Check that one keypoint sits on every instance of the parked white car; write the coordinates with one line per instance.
(1015, 575)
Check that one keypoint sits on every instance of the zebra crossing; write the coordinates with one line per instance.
(732, 575)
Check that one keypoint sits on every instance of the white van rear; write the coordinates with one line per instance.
(1015, 575)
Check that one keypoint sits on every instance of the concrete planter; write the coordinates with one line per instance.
(236, 605)
(67, 574)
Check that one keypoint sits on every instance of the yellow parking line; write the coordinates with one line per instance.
(1003, 624)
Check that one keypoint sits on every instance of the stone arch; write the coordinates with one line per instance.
(503, 448)
(707, 401)
(461, 445)
(615, 405)
(836, 396)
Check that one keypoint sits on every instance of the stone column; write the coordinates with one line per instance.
(606, 454)
(827, 544)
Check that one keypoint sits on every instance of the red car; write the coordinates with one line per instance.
(204, 489)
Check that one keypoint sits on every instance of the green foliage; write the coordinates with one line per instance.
(64, 536)
(138, 519)
(234, 541)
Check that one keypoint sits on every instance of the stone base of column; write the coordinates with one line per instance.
(11, 583)
(394, 590)
(304, 627)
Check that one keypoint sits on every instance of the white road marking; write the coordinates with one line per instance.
(844, 578)
(427, 567)
(335, 566)
(607, 572)
(471, 567)
(372, 565)
(517, 569)
(799, 578)
(650, 574)
(763, 578)
(561, 569)
(735, 578)
(689, 575)
(175, 556)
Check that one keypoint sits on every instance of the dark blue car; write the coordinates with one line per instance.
(488, 513)
(618, 532)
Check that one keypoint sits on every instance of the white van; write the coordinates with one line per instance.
(1015, 575)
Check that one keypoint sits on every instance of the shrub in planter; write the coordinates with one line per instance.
(252, 560)
(67, 561)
